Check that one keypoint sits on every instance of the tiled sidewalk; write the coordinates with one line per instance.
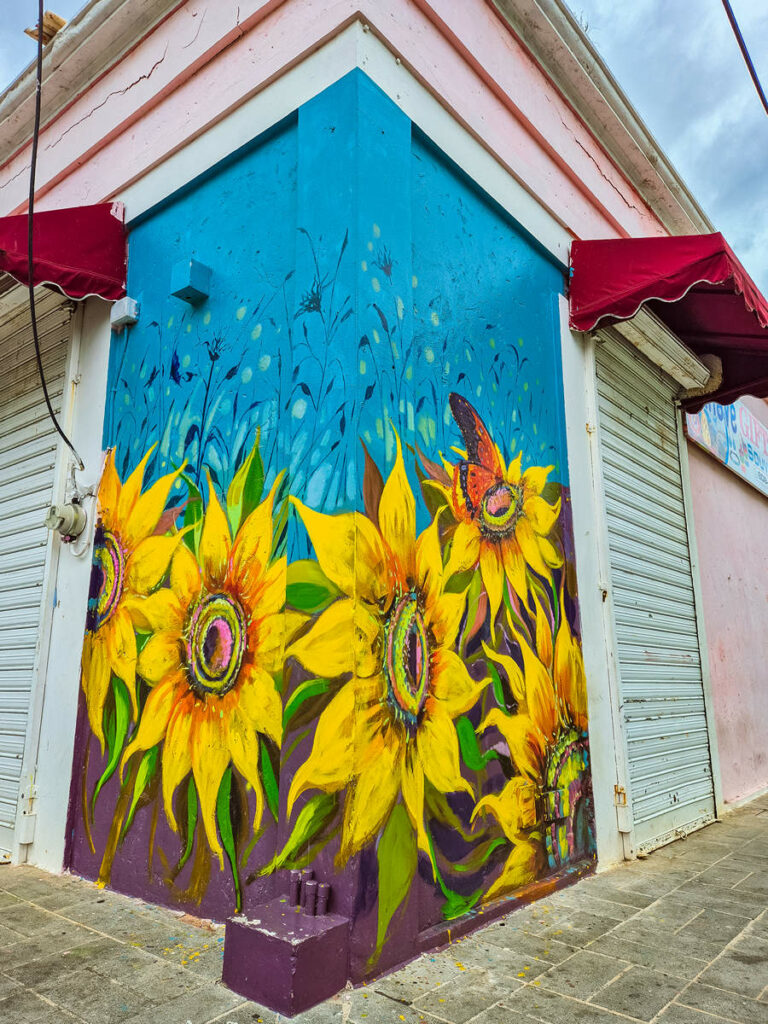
(679, 938)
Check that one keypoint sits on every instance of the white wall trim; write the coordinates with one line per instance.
(355, 47)
(664, 349)
(606, 745)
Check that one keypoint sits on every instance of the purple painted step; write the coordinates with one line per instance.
(285, 959)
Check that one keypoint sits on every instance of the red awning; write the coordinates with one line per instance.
(81, 251)
(694, 284)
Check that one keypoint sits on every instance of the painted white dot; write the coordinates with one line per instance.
(375, 284)
(429, 355)
(299, 409)
(241, 312)
(246, 375)
(434, 318)
(264, 363)
(256, 333)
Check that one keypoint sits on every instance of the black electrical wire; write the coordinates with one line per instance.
(30, 235)
(745, 53)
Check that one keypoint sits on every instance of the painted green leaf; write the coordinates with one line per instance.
(498, 688)
(471, 754)
(144, 777)
(270, 781)
(247, 487)
(224, 821)
(308, 588)
(455, 904)
(312, 818)
(305, 691)
(117, 729)
(480, 855)
(398, 856)
(193, 514)
(191, 823)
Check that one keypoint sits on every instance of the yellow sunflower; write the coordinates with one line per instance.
(217, 637)
(503, 521)
(391, 726)
(128, 561)
(545, 811)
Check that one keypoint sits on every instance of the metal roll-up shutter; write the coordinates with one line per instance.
(28, 449)
(657, 642)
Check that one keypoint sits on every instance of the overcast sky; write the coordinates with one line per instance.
(680, 66)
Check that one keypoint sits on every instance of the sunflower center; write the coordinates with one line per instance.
(215, 644)
(107, 578)
(500, 509)
(407, 661)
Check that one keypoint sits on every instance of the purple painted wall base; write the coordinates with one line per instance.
(285, 959)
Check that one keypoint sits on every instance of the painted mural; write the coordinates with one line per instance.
(333, 618)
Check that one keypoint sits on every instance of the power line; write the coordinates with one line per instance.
(745, 53)
(30, 234)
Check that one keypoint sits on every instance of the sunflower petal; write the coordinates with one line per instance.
(438, 747)
(513, 472)
(524, 865)
(539, 691)
(96, 674)
(155, 716)
(529, 546)
(215, 542)
(514, 808)
(185, 575)
(540, 514)
(259, 702)
(177, 752)
(527, 747)
(330, 765)
(549, 553)
(131, 489)
(160, 655)
(514, 567)
(570, 679)
(535, 479)
(492, 571)
(243, 740)
(145, 514)
(369, 800)
(154, 614)
(412, 785)
(397, 515)
(210, 757)
(510, 666)
(109, 493)
(443, 617)
(345, 638)
(121, 651)
(465, 548)
(253, 543)
(149, 563)
(429, 561)
(453, 687)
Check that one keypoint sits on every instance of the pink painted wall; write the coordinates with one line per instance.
(206, 59)
(731, 520)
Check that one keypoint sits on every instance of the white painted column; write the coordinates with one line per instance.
(606, 750)
(69, 595)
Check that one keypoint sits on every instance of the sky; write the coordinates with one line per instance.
(680, 66)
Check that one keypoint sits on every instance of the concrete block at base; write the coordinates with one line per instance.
(285, 959)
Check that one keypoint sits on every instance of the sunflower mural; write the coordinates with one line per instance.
(203, 616)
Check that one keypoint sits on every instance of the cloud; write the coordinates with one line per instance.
(681, 68)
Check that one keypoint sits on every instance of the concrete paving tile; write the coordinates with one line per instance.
(47, 971)
(727, 1004)
(474, 953)
(7, 899)
(669, 914)
(500, 1014)
(726, 873)
(159, 981)
(639, 993)
(367, 1007)
(551, 951)
(542, 1005)
(27, 920)
(459, 1000)
(252, 1013)
(23, 1007)
(727, 901)
(95, 999)
(206, 960)
(583, 974)
(117, 960)
(8, 985)
(580, 928)
(667, 961)
(420, 976)
(201, 1006)
(603, 888)
(677, 1014)
(742, 967)
(54, 940)
(604, 908)
(713, 928)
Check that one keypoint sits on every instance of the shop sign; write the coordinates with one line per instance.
(736, 437)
